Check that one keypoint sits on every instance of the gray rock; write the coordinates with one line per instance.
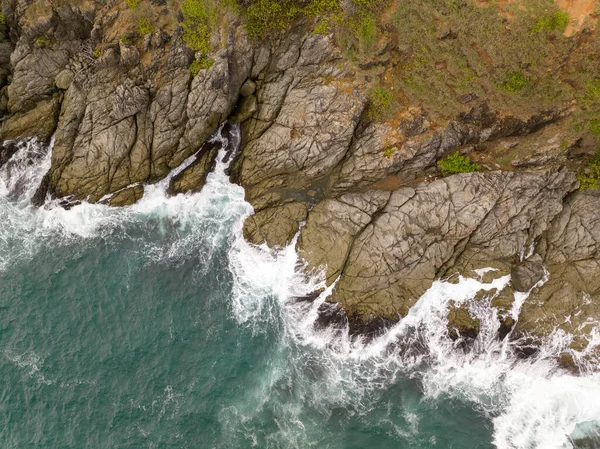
(275, 226)
(63, 79)
(453, 224)
(528, 273)
(248, 88)
(332, 226)
(570, 300)
(130, 56)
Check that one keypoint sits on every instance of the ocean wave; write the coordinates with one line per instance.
(530, 402)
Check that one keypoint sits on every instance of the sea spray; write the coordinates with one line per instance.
(532, 403)
(313, 375)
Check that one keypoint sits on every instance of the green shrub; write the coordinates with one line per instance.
(320, 8)
(145, 26)
(455, 163)
(199, 17)
(43, 42)
(388, 152)
(133, 4)
(204, 63)
(587, 182)
(556, 22)
(380, 102)
(592, 91)
(515, 82)
(327, 13)
(97, 53)
(594, 126)
(268, 16)
(2, 19)
(589, 177)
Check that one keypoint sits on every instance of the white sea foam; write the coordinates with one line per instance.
(24, 228)
(532, 403)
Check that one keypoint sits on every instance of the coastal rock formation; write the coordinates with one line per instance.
(570, 300)
(362, 189)
(453, 224)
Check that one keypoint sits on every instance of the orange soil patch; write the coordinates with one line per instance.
(578, 10)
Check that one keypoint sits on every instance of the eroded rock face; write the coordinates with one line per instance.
(332, 226)
(570, 300)
(453, 224)
(302, 126)
(119, 119)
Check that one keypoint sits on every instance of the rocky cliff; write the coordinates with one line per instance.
(322, 155)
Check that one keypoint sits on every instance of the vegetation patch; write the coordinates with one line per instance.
(515, 83)
(145, 26)
(594, 126)
(380, 102)
(592, 92)
(556, 22)
(2, 19)
(199, 18)
(268, 16)
(133, 4)
(355, 20)
(590, 175)
(44, 42)
(204, 63)
(455, 48)
(456, 163)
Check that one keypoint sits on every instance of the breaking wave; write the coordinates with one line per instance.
(530, 403)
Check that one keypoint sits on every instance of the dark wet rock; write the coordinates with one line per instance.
(503, 301)
(39, 197)
(310, 297)
(332, 315)
(244, 110)
(275, 226)
(127, 197)
(7, 150)
(193, 178)
(461, 324)
(248, 88)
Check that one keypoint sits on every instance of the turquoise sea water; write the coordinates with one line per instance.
(157, 326)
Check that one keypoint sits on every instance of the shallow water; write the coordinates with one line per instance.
(157, 326)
